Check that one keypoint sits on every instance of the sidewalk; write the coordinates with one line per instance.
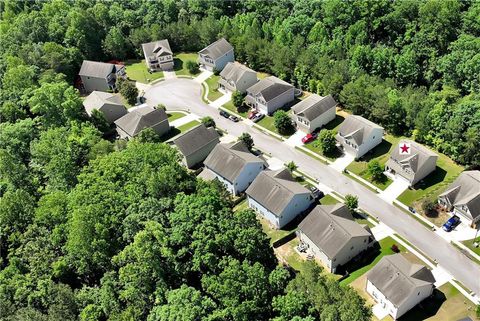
(342, 162)
(204, 75)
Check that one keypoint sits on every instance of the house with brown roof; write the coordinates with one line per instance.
(331, 234)
(357, 135)
(233, 165)
(278, 197)
(158, 55)
(110, 105)
(237, 77)
(269, 94)
(100, 76)
(141, 118)
(314, 112)
(462, 197)
(398, 285)
(216, 55)
(196, 144)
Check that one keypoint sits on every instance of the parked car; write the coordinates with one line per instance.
(309, 138)
(233, 118)
(451, 224)
(252, 114)
(224, 114)
(316, 192)
(257, 117)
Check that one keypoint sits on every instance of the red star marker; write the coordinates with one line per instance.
(405, 148)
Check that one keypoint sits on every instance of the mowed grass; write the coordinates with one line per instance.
(469, 244)
(434, 184)
(329, 200)
(137, 70)
(174, 116)
(315, 145)
(188, 126)
(230, 107)
(213, 93)
(180, 63)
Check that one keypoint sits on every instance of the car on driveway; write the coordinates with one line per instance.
(252, 114)
(309, 138)
(451, 224)
(224, 114)
(316, 192)
(257, 117)
(233, 118)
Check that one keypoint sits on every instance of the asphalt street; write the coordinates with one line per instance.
(185, 94)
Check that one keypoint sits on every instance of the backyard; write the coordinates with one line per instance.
(180, 63)
(213, 93)
(137, 70)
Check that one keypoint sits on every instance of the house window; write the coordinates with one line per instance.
(351, 248)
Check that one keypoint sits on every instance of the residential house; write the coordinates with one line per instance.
(237, 77)
(216, 55)
(314, 112)
(269, 94)
(398, 285)
(141, 118)
(358, 135)
(462, 197)
(233, 165)
(414, 166)
(331, 234)
(158, 55)
(278, 197)
(196, 144)
(100, 76)
(110, 105)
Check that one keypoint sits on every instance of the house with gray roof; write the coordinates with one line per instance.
(158, 55)
(196, 144)
(141, 118)
(462, 197)
(269, 94)
(110, 105)
(398, 285)
(100, 76)
(331, 234)
(236, 76)
(314, 112)
(278, 197)
(216, 55)
(414, 166)
(357, 135)
(233, 165)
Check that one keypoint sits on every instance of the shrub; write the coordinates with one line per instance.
(351, 201)
(327, 141)
(237, 99)
(291, 166)
(208, 121)
(247, 140)
(429, 207)
(282, 122)
(127, 90)
(375, 170)
(192, 67)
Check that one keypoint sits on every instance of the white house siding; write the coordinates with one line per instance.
(123, 134)
(428, 167)
(316, 251)
(318, 122)
(380, 298)
(298, 204)
(280, 101)
(199, 155)
(373, 140)
(359, 244)
(92, 83)
(247, 175)
(272, 218)
(221, 62)
(464, 217)
(229, 186)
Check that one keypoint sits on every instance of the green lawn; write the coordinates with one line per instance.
(174, 116)
(385, 249)
(188, 125)
(213, 93)
(232, 108)
(328, 200)
(469, 244)
(434, 184)
(137, 70)
(180, 61)
(267, 122)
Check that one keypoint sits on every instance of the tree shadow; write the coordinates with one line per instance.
(363, 259)
(427, 308)
(437, 176)
(334, 123)
(171, 133)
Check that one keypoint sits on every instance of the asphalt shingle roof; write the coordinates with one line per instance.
(157, 48)
(270, 87)
(217, 49)
(233, 71)
(465, 190)
(141, 118)
(313, 106)
(99, 98)
(419, 154)
(96, 69)
(195, 139)
(357, 127)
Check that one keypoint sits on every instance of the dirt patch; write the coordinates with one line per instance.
(438, 219)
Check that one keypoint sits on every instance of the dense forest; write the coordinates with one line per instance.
(92, 229)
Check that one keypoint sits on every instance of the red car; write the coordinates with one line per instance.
(309, 138)
(252, 114)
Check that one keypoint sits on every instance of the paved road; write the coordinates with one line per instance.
(185, 94)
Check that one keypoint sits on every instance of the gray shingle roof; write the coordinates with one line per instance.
(396, 278)
(228, 160)
(269, 88)
(275, 189)
(465, 190)
(139, 119)
(96, 69)
(157, 48)
(331, 227)
(313, 106)
(195, 139)
(217, 49)
(419, 154)
(357, 127)
(233, 71)
(97, 99)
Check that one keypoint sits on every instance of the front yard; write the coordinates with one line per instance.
(229, 106)
(213, 93)
(137, 70)
(180, 63)
(173, 115)
(469, 244)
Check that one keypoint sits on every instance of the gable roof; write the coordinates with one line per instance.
(234, 71)
(97, 99)
(331, 227)
(419, 154)
(465, 190)
(217, 49)
(195, 139)
(358, 128)
(96, 69)
(275, 190)
(313, 106)
(228, 160)
(269, 88)
(141, 118)
(397, 279)
(157, 48)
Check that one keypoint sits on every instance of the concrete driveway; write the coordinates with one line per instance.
(394, 190)
(185, 94)
(342, 162)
